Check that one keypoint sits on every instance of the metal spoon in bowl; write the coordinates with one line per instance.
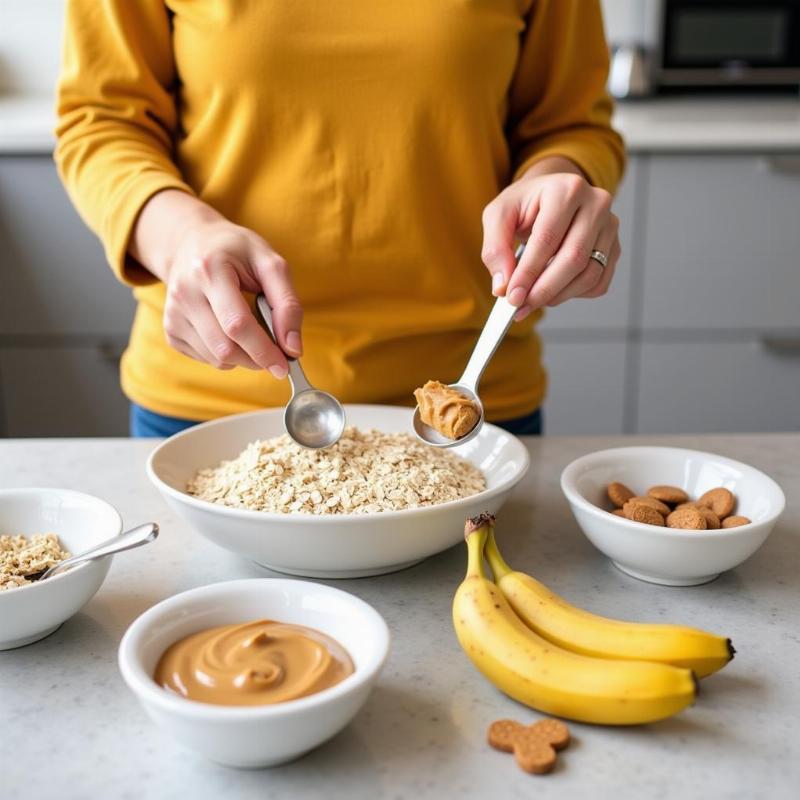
(313, 418)
(497, 324)
(135, 537)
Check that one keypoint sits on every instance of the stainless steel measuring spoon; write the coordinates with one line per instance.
(313, 418)
(135, 537)
(497, 324)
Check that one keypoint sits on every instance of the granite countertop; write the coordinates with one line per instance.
(71, 729)
(712, 124)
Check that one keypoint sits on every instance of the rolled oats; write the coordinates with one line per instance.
(20, 557)
(365, 472)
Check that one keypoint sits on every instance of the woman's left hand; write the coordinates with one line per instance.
(564, 218)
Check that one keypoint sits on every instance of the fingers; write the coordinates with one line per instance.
(594, 273)
(557, 210)
(500, 219)
(570, 260)
(276, 283)
(223, 349)
(572, 257)
(585, 282)
(237, 324)
(608, 273)
(182, 337)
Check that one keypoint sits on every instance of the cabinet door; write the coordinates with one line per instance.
(586, 387)
(55, 279)
(699, 387)
(723, 242)
(610, 311)
(66, 391)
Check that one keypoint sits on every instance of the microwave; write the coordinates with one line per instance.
(717, 44)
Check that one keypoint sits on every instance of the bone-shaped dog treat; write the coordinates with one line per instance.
(534, 746)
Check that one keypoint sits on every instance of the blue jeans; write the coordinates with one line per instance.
(146, 423)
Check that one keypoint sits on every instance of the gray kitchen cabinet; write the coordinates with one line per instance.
(63, 391)
(55, 280)
(699, 331)
(722, 242)
(586, 392)
(612, 310)
(719, 386)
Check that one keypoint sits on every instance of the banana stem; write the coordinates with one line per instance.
(496, 561)
(476, 539)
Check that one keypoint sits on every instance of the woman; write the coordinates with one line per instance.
(367, 165)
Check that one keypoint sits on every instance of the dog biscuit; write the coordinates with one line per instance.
(687, 518)
(712, 520)
(640, 512)
(668, 494)
(619, 494)
(651, 502)
(534, 746)
(720, 501)
(735, 522)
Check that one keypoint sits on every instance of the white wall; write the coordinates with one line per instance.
(30, 45)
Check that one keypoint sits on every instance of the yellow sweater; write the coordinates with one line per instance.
(361, 140)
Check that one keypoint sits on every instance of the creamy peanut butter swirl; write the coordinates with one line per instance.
(446, 410)
(253, 663)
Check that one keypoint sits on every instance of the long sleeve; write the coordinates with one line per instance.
(558, 104)
(116, 118)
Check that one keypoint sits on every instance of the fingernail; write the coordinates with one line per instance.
(279, 371)
(294, 343)
(497, 282)
(517, 297)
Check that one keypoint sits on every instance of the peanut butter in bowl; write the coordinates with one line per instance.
(262, 662)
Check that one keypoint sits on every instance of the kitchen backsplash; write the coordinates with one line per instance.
(30, 45)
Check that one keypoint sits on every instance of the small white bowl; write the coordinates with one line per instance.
(670, 556)
(332, 545)
(255, 736)
(29, 613)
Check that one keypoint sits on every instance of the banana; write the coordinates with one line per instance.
(556, 620)
(546, 677)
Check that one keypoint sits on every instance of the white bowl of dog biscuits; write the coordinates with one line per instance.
(672, 516)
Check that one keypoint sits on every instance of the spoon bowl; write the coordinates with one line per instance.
(314, 419)
(432, 437)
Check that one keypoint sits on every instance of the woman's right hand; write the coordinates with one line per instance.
(206, 263)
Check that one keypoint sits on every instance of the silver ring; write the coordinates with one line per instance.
(600, 257)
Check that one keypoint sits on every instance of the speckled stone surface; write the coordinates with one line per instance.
(69, 728)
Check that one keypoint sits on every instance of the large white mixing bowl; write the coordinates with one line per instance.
(336, 545)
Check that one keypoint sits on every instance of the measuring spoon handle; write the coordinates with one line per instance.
(135, 537)
(297, 378)
(497, 324)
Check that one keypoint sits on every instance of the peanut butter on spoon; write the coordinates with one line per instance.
(446, 410)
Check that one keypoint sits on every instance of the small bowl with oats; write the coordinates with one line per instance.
(39, 528)
(377, 501)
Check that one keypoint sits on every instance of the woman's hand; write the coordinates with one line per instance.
(206, 263)
(564, 218)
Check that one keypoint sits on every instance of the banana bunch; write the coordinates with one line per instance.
(549, 655)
